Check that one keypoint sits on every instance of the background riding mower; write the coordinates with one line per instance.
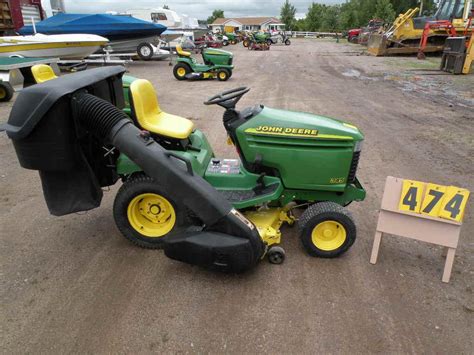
(217, 64)
(258, 41)
(233, 38)
(208, 40)
(175, 193)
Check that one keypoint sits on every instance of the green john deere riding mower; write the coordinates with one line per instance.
(232, 37)
(222, 214)
(217, 64)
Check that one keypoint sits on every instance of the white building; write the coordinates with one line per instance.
(248, 23)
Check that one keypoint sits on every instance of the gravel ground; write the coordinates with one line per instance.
(74, 285)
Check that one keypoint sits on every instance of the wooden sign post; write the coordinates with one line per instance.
(427, 212)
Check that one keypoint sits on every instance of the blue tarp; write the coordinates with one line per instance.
(109, 26)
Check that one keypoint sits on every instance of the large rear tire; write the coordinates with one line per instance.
(145, 213)
(180, 71)
(327, 230)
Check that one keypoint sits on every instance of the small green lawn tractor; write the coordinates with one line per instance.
(222, 214)
(232, 37)
(217, 64)
(258, 41)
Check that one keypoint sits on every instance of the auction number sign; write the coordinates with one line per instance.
(448, 202)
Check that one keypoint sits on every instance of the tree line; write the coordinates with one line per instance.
(351, 14)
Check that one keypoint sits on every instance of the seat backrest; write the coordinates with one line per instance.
(180, 51)
(145, 104)
(42, 73)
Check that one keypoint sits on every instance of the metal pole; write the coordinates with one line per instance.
(33, 23)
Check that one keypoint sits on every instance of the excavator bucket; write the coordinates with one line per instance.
(377, 44)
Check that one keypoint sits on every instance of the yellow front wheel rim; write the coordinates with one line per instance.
(151, 215)
(181, 72)
(222, 75)
(328, 235)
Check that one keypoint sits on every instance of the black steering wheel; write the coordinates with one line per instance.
(228, 99)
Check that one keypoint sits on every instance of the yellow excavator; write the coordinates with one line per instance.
(404, 35)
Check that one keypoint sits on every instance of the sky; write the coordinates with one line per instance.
(200, 9)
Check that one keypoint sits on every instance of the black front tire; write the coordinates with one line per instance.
(337, 216)
(127, 194)
(276, 255)
(145, 51)
(181, 68)
(287, 42)
(223, 75)
(6, 92)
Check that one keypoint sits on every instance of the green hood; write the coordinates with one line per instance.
(301, 125)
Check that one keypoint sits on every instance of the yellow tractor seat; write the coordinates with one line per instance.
(149, 116)
(180, 51)
(42, 73)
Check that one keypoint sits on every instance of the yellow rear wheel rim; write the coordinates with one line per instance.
(328, 235)
(3, 93)
(151, 215)
(181, 72)
(222, 75)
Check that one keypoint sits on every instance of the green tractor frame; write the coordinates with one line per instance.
(222, 214)
(251, 181)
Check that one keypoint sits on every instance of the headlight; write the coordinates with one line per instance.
(358, 146)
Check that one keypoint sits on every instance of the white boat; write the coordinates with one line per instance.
(70, 46)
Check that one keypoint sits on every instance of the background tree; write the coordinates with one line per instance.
(403, 5)
(215, 15)
(314, 17)
(351, 14)
(384, 10)
(348, 16)
(300, 25)
(357, 13)
(166, 7)
(330, 20)
(287, 15)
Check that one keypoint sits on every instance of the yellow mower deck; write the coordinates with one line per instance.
(269, 222)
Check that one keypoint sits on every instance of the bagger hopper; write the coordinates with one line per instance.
(176, 195)
(405, 34)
